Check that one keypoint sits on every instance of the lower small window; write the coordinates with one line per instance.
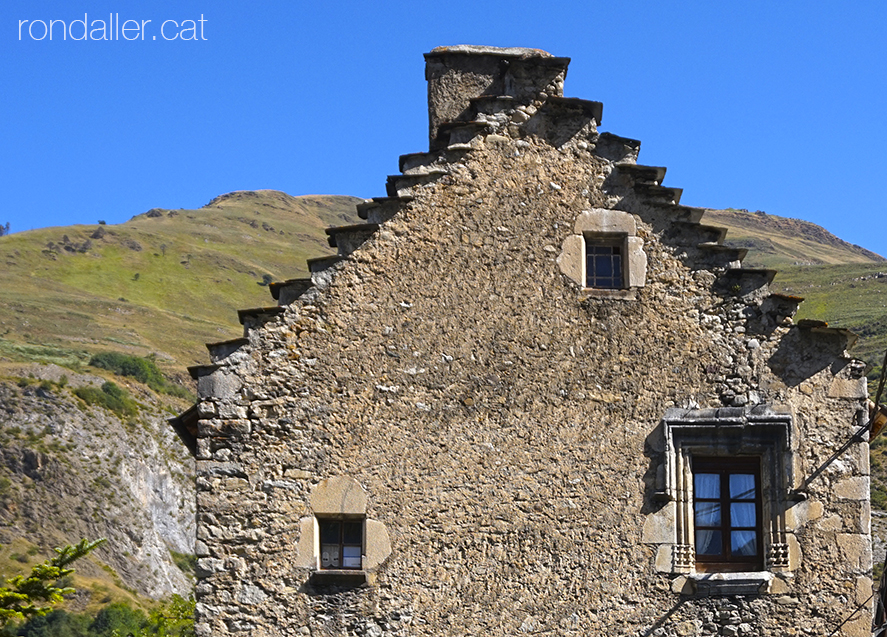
(727, 514)
(604, 264)
(341, 544)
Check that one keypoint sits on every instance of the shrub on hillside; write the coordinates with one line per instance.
(173, 618)
(57, 623)
(143, 370)
(111, 397)
(118, 618)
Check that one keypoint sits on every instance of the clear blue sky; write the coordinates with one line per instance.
(774, 106)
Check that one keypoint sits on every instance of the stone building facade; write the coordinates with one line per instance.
(533, 394)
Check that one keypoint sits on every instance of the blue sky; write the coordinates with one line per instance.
(774, 106)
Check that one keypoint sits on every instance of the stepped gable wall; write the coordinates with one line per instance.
(515, 444)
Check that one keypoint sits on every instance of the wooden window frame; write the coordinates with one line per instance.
(724, 467)
(323, 525)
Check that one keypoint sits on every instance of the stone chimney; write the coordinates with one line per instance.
(459, 75)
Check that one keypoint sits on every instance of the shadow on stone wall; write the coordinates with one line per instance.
(802, 353)
(654, 476)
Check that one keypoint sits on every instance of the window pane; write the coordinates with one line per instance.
(329, 532)
(743, 514)
(707, 485)
(603, 267)
(742, 486)
(743, 542)
(353, 533)
(329, 555)
(351, 557)
(708, 514)
(708, 542)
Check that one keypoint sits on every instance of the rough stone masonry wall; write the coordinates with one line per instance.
(503, 424)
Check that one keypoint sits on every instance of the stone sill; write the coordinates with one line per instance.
(619, 295)
(339, 577)
(720, 584)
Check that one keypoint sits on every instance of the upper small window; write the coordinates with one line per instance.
(604, 266)
(603, 255)
(727, 514)
(341, 544)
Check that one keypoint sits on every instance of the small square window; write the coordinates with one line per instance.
(604, 264)
(341, 544)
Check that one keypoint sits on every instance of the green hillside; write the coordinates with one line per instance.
(163, 283)
(841, 283)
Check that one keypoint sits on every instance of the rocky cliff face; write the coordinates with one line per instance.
(68, 471)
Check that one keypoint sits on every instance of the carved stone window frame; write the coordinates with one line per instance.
(729, 432)
(341, 498)
(601, 225)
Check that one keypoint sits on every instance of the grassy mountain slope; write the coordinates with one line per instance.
(777, 242)
(841, 283)
(164, 282)
(848, 296)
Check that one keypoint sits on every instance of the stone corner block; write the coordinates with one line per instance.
(307, 547)
(659, 526)
(664, 558)
(683, 585)
(857, 550)
(853, 488)
(219, 384)
(843, 388)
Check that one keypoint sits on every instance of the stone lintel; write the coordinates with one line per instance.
(339, 496)
(605, 221)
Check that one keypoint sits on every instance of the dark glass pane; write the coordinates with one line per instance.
(708, 514)
(603, 267)
(329, 532)
(743, 542)
(708, 542)
(707, 485)
(329, 556)
(353, 533)
(742, 486)
(743, 514)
